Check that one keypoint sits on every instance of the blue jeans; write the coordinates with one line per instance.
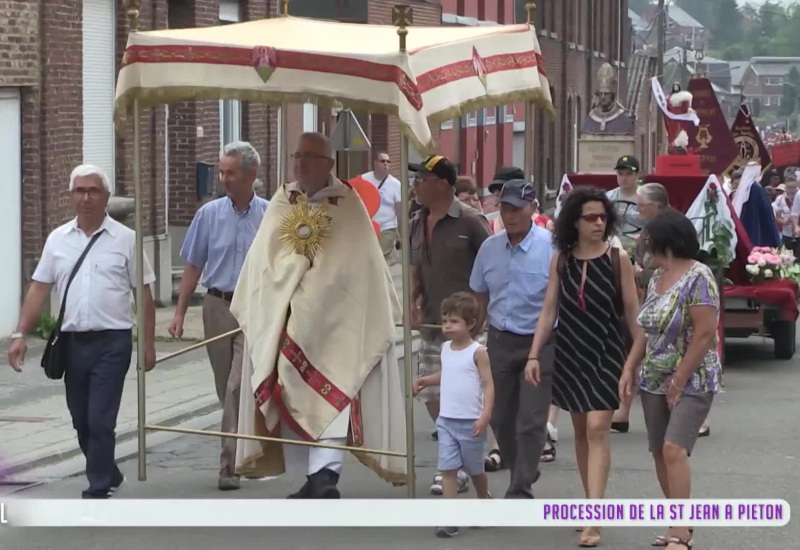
(97, 363)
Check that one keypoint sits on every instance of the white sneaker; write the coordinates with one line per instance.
(553, 431)
(462, 481)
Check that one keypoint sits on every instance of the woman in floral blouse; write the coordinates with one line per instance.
(680, 369)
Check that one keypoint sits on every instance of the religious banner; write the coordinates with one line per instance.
(712, 140)
(749, 145)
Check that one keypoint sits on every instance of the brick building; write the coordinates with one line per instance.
(763, 82)
(58, 68)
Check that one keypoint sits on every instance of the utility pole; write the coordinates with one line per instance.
(662, 40)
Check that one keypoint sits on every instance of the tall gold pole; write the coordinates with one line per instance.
(285, 8)
(401, 17)
(528, 157)
(133, 15)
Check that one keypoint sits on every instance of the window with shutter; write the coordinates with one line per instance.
(99, 75)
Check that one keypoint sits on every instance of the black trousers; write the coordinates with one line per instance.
(97, 363)
(519, 418)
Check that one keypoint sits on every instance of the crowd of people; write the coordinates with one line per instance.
(537, 315)
(571, 322)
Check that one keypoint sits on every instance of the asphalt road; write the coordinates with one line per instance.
(753, 452)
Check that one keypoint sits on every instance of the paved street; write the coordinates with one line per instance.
(753, 452)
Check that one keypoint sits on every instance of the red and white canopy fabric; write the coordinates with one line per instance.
(446, 71)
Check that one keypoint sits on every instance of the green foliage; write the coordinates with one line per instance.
(791, 89)
(46, 325)
(726, 25)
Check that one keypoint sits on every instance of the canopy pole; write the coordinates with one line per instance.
(282, 145)
(401, 17)
(140, 308)
(530, 8)
(133, 16)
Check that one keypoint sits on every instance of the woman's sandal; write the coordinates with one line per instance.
(493, 462)
(662, 540)
(681, 542)
(589, 541)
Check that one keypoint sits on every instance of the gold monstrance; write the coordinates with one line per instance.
(305, 228)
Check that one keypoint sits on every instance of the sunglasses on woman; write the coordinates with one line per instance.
(591, 218)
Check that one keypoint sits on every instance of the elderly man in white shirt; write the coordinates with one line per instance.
(391, 201)
(96, 340)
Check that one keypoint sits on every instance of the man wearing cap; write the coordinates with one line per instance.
(445, 238)
(510, 276)
(624, 197)
(502, 175)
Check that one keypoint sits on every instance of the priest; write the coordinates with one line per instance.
(317, 306)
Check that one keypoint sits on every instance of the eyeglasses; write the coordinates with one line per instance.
(92, 192)
(308, 156)
(591, 218)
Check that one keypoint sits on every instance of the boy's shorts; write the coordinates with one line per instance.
(458, 448)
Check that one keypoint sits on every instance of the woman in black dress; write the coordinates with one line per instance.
(591, 290)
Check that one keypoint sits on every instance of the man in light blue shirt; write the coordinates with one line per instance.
(215, 247)
(510, 274)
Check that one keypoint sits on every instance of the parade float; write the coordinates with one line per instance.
(760, 283)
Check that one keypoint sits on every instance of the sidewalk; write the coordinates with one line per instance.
(35, 425)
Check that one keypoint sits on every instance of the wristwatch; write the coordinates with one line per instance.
(17, 336)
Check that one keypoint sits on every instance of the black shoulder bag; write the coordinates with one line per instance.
(53, 359)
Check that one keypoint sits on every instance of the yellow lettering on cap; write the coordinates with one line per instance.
(434, 160)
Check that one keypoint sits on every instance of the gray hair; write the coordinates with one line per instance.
(89, 170)
(321, 140)
(248, 156)
(655, 193)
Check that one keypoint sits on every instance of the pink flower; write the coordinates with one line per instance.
(773, 259)
(752, 259)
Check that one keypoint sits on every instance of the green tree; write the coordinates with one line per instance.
(791, 88)
(786, 41)
(726, 29)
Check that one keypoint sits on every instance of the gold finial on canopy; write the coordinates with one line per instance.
(133, 14)
(402, 16)
(530, 8)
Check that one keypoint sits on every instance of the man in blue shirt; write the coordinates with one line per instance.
(510, 276)
(215, 247)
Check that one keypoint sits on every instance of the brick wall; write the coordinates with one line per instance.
(152, 15)
(60, 97)
(19, 42)
(385, 130)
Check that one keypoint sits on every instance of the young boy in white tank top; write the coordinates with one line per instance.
(467, 399)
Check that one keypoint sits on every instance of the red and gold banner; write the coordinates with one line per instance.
(749, 144)
(712, 139)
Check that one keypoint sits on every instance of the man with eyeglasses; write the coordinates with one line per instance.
(318, 307)
(445, 237)
(215, 248)
(95, 343)
(510, 277)
(391, 203)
